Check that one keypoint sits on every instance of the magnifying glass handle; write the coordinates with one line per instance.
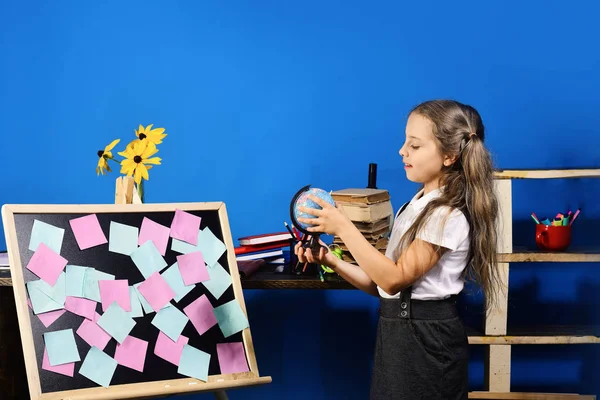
(314, 245)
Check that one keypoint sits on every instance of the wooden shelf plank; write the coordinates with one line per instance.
(541, 256)
(547, 174)
(271, 280)
(547, 340)
(543, 334)
(528, 396)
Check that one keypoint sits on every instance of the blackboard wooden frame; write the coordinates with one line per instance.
(215, 383)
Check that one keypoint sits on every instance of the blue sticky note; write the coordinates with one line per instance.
(75, 280)
(219, 280)
(50, 235)
(182, 247)
(148, 259)
(46, 298)
(91, 289)
(171, 321)
(231, 318)
(58, 292)
(175, 281)
(136, 305)
(122, 239)
(194, 363)
(41, 302)
(145, 305)
(98, 367)
(211, 247)
(116, 322)
(61, 347)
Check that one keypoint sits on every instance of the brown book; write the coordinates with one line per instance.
(362, 196)
(375, 226)
(357, 212)
(376, 235)
(380, 244)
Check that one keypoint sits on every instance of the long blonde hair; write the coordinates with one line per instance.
(468, 186)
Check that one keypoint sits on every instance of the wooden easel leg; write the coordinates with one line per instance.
(222, 395)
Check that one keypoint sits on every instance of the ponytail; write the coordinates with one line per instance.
(482, 211)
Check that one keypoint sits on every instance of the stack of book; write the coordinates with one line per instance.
(371, 212)
(274, 248)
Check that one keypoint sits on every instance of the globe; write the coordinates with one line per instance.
(304, 201)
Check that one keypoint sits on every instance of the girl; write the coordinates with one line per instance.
(446, 233)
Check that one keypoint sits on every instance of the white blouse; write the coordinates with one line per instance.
(444, 279)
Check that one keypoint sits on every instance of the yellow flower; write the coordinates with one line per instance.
(104, 156)
(137, 155)
(153, 135)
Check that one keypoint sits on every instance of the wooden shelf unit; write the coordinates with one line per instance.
(495, 335)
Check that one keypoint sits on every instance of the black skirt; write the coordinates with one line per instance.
(421, 351)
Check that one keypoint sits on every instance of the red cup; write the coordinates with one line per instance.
(553, 238)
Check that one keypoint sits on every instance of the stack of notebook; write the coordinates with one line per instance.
(274, 248)
(371, 212)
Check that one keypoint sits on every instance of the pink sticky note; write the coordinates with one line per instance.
(93, 335)
(192, 268)
(159, 234)
(185, 226)
(169, 350)
(132, 353)
(47, 264)
(232, 358)
(63, 369)
(97, 317)
(156, 291)
(200, 312)
(115, 290)
(47, 318)
(87, 231)
(50, 317)
(80, 306)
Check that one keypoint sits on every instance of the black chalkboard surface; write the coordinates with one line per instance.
(158, 376)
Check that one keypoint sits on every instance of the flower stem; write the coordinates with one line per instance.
(140, 188)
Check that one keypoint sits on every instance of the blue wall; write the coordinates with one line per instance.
(262, 96)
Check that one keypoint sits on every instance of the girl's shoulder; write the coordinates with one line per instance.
(449, 213)
(447, 227)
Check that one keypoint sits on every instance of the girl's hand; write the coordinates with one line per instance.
(323, 258)
(329, 219)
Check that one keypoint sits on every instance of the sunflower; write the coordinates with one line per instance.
(153, 135)
(137, 155)
(104, 156)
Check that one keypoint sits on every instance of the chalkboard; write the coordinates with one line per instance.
(87, 239)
